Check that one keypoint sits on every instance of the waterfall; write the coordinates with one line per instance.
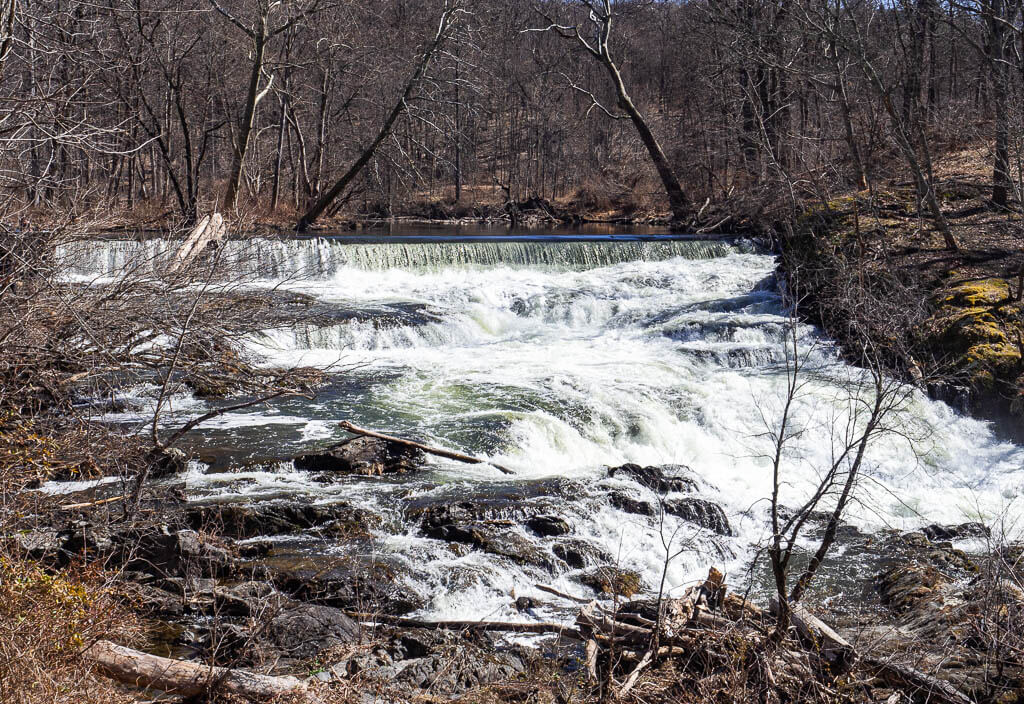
(323, 257)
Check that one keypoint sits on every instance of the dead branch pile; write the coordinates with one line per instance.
(717, 641)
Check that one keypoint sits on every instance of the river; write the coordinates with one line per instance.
(560, 357)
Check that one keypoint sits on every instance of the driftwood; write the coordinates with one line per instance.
(903, 676)
(210, 229)
(188, 679)
(834, 649)
(468, 459)
(498, 626)
(87, 504)
(563, 595)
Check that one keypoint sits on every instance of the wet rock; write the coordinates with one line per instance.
(525, 603)
(465, 523)
(180, 552)
(579, 553)
(625, 502)
(907, 587)
(365, 456)
(936, 532)
(612, 580)
(245, 520)
(496, 537)
(167, 461)
(344, 582)
(305, 630)
(507, 509)
(702, 513)
(664, 479)
(549, 526)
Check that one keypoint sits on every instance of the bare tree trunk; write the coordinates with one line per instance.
(447, 24)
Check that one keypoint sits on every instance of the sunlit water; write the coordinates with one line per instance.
(559, 360)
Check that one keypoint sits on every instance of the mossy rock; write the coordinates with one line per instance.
(976, 293)
(613, 580)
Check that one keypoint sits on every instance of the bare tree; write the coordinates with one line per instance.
(260, 32)
(595, 39)
(450, 17)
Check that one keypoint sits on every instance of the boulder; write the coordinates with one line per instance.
(548, 526)
(496, 537)
(936, 532)
(245, 520)
(701, 512)
(305, 630)
(344, 582)
(624, 502)
(612, 580)
(664, 479)
(579, 553)
(363, 455)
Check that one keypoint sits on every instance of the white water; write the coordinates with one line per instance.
(558, 363)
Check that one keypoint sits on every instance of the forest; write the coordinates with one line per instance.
(159, 111)
(512, 351)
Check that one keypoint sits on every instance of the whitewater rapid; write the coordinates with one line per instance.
(559, 360)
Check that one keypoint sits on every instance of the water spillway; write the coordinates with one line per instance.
(559, 360)
(317, 257)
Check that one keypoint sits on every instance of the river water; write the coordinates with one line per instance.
(559, 359)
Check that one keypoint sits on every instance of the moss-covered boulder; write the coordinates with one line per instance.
(979, 327)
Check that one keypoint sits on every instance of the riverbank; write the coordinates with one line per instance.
(876, 275)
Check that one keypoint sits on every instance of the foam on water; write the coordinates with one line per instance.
(560, 362)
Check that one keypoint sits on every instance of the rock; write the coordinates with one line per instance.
(525, 603)
(471, 523)
(250, 598)
(906, 587)
(245, 520)
(305, 630)
(625, 502)
(460, 671)
(936, 532)
(612, 580)
(180, 553)
(365, 456)
(40, 544)
(701, 512)
(166, 462)
(153, 601)
(579, 553)
(668, 478)
(345, 582)
(548, 526)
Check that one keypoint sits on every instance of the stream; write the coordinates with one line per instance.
(559, 356)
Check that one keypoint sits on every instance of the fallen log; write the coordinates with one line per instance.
(210, 229)
(449, 454)
(188, 679)
(833, 648)
(501, 626)
(903, 676)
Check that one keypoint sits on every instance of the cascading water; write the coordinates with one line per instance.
(559, 360)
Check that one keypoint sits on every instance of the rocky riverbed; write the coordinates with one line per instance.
(289, 586)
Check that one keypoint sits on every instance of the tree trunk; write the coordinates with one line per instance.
(245, 124)
(443, 33)
(188, 679)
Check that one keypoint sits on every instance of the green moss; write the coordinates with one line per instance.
(976, 293)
